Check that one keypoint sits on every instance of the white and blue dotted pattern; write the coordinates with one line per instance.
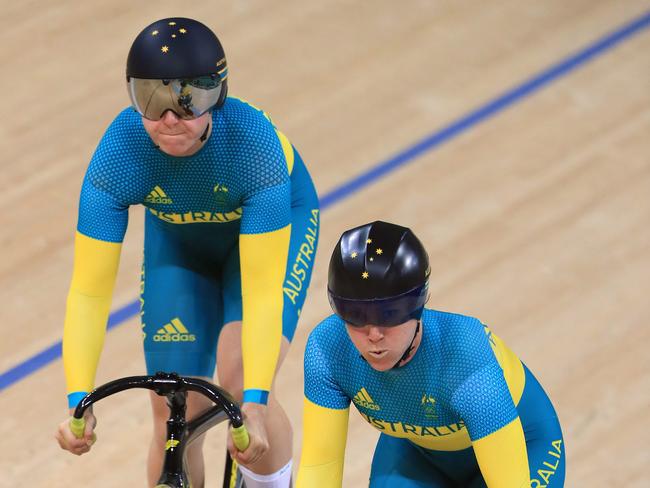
(243, 155)
(454, 365)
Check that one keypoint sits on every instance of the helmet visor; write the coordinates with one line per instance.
(187, 98)
(387, 312)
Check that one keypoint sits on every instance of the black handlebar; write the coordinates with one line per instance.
(165, 384)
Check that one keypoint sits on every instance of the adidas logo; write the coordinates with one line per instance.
(174, 331)
(363, 399)
(157, 195)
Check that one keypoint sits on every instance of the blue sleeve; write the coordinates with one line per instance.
(320, 385)
(267, 210)
(480, 394)
(484, 402)
(267, 188)
(111, 183)
(101, 216)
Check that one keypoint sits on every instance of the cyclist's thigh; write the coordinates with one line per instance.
(302, 250)
(546, 457)
(397, 462)
(182, 310)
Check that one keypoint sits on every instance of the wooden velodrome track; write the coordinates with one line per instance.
(536, 219)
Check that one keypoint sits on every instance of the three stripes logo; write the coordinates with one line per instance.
(157, 195)
(363, 399)
(174, 331)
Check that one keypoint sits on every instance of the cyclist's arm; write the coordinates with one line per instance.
(102, 223)
(324, 436)
(264, 249)
(263, 260)
(503, 458)
(88, 304)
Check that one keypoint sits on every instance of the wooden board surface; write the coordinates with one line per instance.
(536, 220)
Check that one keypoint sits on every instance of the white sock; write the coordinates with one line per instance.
(279, 479)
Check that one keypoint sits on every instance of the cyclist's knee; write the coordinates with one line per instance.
(160, 413)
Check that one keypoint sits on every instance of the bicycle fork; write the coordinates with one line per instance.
(173, 474)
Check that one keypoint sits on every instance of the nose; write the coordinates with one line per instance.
(169, 117)
(375, 333)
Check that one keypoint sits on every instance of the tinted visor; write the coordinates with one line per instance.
(187, 98)
(387, 312)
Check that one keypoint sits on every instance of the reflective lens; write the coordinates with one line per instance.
(188, 99)
(387, 312)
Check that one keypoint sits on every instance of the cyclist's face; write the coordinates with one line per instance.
(382, 346)
(175, 136)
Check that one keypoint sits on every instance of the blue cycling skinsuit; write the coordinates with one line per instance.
(464, 411)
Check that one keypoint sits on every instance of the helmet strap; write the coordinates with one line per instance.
(204, 136)
(408, 349)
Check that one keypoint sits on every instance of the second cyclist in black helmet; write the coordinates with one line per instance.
(451, 401)
(230, 214)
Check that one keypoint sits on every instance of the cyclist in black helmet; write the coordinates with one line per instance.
(231, 227)
(455, 407)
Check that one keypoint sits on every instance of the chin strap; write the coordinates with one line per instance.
(408, 349)
(205, 133)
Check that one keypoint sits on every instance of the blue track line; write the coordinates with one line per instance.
(493, 107)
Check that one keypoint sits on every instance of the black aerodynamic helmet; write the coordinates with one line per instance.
(378, 274)
(176, 64)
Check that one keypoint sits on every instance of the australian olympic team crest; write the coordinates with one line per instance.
(220, 193)
(428, 404)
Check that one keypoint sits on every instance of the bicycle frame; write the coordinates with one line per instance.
(180, 433)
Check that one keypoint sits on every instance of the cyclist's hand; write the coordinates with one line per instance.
(254, 417)
(69, 442)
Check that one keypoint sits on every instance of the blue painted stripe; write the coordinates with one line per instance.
(53, 352)
(445, 134)
(490, 109)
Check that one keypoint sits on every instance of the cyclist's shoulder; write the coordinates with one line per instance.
(455, 332)
(127, 123)
(125, 136)
(328, 335)
(242, 115)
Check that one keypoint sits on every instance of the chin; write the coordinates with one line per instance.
(382, 364)
(173, 149)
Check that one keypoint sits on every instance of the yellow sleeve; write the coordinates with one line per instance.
(503, 458)
(324, 434)
(263, 262)
(88, 305)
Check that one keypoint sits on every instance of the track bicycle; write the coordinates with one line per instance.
(180, 432)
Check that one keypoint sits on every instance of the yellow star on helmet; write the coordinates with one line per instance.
(369, 241)
(182, 31)
(353, 255)
(364, 275)
(154, 33)
(173, 36)
(379, 250)
(172, 23)
(371, 259)
(164, 49)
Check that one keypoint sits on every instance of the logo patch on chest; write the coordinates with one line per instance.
(157, 195)
(428, 404)
(220, 193)
(363, 399)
